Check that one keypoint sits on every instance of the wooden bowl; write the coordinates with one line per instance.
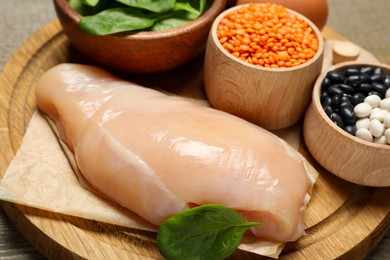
(269, 97)
(346, 156)
(143, 52)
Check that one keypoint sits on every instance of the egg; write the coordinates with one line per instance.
(315, 10)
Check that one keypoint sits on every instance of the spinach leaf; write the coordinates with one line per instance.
(90, 2)
(83, 9)
(176, 20)
(206, 232)
(197, 7)
(76, 5)
(201, 5)
(157, 6)
(102, 17)
(185, 5)
(116, 20)
(184, 13)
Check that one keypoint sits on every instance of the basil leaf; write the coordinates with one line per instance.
(116, 20)
(206, 232)
(157, 6)
(176, 20)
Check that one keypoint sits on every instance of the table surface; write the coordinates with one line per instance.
(21, 18)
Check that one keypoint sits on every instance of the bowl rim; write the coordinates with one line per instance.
(317, 103)
(319, 53)
(207, 16)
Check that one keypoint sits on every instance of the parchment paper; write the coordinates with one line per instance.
(41, 176)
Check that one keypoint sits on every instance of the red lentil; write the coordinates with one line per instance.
(267, 35)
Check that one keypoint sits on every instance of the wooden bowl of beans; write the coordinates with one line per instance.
(347, 125)
(261, 63)
(140, 51)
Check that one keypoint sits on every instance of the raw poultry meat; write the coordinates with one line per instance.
(159, 154)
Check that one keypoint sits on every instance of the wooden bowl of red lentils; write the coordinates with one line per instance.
(347, 125)
(261, 63)
(141, 51)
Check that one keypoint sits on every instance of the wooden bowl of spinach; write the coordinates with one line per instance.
(133, 36)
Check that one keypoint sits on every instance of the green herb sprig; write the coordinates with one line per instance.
(104, 17)
(210, 231)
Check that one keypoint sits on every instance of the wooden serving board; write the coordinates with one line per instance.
(343, 220)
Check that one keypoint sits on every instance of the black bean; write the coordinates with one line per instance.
(346, 98)
(326, 83)
(365, 78)
(348, 89)
(328, 110)
(367, 70)
(382, 96)
(335, 76)
(386, 81)
(337, 119)
(378, 70)
(357, 98)
(379, 87)
(347, 115)
(335, 90)
(346, 104)
(364, 88)
(352, 71)
(336, 100)
(324, 94)
(327, 102)
(351, 129)
(353, 80)
(377, 77)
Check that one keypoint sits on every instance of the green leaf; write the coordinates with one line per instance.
(176, 20)
(116, 20)
(186, 6)
(201, 5)
(76, 5)
(196, 7)
(205, 232)
(157, 6)
(90, 2)
(115, 16)
(85, 10)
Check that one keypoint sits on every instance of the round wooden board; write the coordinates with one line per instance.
(343, 220)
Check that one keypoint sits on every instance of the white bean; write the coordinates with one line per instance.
(387, 135)
(362, 110)
(373, 100)
(380, 140)
(379, 114)
(387, 93)
(362, 123)
(376, 128)
(386, 120)
(385, 104)
(375, 109)
(365, 134)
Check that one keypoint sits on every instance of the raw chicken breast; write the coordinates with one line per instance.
(158, 154)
